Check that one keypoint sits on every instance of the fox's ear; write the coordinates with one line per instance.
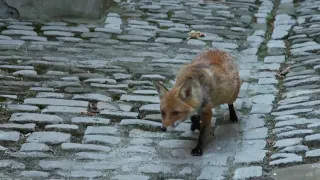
(186, 90)
(162, 90)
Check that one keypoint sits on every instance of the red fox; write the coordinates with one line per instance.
(211, 79)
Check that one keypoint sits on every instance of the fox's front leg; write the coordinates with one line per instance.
(204, 130)
(195, 122)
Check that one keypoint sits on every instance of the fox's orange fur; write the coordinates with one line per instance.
(211, 79)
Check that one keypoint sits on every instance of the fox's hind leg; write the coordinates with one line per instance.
(195, 122)
(232, 113)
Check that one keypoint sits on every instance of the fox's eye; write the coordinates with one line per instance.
(163, 113)
(174, 113)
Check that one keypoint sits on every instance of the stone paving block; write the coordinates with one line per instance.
(291, 112)
(260, 109)
(295, 122)
(49, 137)
(118, 114)
(63, 109)
(140, 98)
(177, 144)
(139, 122)
(85, 174)
(137, 133)
(141, 141)
(254, 121)
(84, 147)
(212, 172)
(102, 130)
(31, 154)
(48, 165)
(216, 159)
(250, 156)
(50, 95)
(130, 176)
(9, 136)
(110, 86)
(282, 155)
(90, 120)
(294, 100)
(145, 92)
(11, 44)
(285, 117)
(35, 174)
(248, 172)
(263, 99)
(58, 33)
(258, 133)
(181, 153)
(3, 149)
(139, 149)
(314, 138)
(92, 155)
(22, 108)
(11, 164)
(97, 139)
(186, 170)
(313, 125)
(304, 171)
(92, 96)
(295, 149)
(253, 144)
(34, 147)
(34, 38)
(299, 132)
(55, 102)
(20, 127)
(19, 32)
(288, 160)
(62, 127)
(153, 168)
(107, 106)
(287, 142)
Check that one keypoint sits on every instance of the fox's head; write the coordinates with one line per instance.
(175, 104)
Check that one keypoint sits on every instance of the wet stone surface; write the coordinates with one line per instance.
(81, 104)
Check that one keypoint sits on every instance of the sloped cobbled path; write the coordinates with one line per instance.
(51, 73)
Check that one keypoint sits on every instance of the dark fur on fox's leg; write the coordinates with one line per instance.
(204, 130)
(232, 113)
(197, 151)
(195, 122)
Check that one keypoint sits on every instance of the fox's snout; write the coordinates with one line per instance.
(166, 125)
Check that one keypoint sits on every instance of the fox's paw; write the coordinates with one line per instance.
(234, 118)
(197, 151)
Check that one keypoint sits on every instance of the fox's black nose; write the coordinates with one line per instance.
(164, 129)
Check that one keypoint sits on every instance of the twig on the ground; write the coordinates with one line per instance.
(284, 72)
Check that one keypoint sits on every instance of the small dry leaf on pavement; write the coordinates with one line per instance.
(195, 34)
(92, 110)
(270, 142)
(268, 153)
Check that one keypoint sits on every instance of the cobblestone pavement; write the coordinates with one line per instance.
(50, 72)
